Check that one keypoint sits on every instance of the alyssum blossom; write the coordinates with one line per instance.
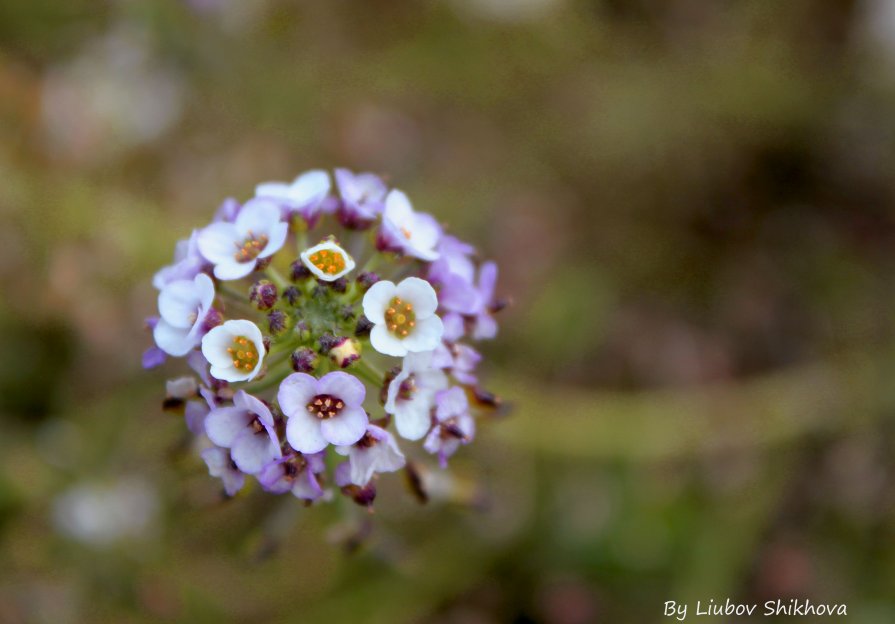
(303, 352)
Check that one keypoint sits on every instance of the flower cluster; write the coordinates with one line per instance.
(315, 316)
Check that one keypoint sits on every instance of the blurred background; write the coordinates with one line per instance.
(692, 205)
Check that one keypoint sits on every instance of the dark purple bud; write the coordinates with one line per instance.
(414, 482)
(263, 263)
(266, 343)
(486, 399)
(363, 496)
(499, 304)
(298, 271)
(328, 341)
(278, 322)
(212, 320)
(347, 312)
(263, 294)
(364, 326)
(367, 279)
(304, 360)
(292, 295)
(340, 285)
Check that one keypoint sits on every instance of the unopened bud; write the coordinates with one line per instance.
(263, 295)
(366, 279)
(299, 271)
(278, 322)
(344, 352)
(304, 360)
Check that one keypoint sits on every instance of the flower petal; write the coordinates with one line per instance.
(218, 242)
(230, 269)
(426, 335)
(412, 419)
(276, 238)
(377, 299)
(386, 343)
(346, 428)
(295, 392)
(254, 405)
(252, 451)
(174, 341)
(257, 216)
(303, 433)
(178, 303)
(224, 424)
(420, 293)
(344, 386)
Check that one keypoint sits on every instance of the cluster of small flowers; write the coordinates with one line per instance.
(286, 349)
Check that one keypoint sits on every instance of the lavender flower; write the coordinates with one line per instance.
(294, 473)
(375, 452)
(454, 426)
(220, 465)
(363, 198)
(247, 429)
(459, 360)
(183, 306)
(322, 411)
(234, 248)
(411, 233)
(411, 395)
(304, 196)
(188, 263)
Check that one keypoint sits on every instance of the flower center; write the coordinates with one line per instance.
(244, 353)
(400, 318)
(251, 247)
(407, 388)
(407, 233)
(329, 261)
(325, 406)
(367, 441)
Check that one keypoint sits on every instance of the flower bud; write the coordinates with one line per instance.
(304, 360)
(212, 319)
(278, 322)
(340, 285)
(263, 295)
(292, 295)
(363, 496)
(364, 326)
(298, 271)
(343, 351)
(366, 279)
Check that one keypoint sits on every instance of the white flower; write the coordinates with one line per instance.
(183, 305)
(376, 452)
(234, 248)
(411, 395)
(303, 195)
(414, 233)
(235, 351)
(327, 261)
(404, 317)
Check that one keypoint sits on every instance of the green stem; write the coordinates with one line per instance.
(277, 278)
(368, 372)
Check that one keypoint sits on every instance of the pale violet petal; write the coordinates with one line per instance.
(178, 303)
(219, 242)
(346, 428)
(303, 433)
(425, 336)
(386, 343)
(252, 451)
(295, 392)
(420, 293)
(224, 424)
(344, 386)
(231, 269)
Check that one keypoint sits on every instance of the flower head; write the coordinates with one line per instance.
(412, 233)
(294, 473)
(247, 429)
(235, 351)
(403, 316)
(235, 248)
(327, 261)
(183, 306)
(322, 411)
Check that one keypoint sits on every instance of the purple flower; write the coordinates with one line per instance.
(221, 465)
(458, 359)
(454, 425)
(411, 395)
(247, 429)
(183, 306)
(188, 263)
(375, 452)
(294, 473)
(363, 198)
(412, 233)
(304, 196)
(484, 325)
(235, 248)
(322, 412)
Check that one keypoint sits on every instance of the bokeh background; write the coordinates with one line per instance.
(693, 208)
